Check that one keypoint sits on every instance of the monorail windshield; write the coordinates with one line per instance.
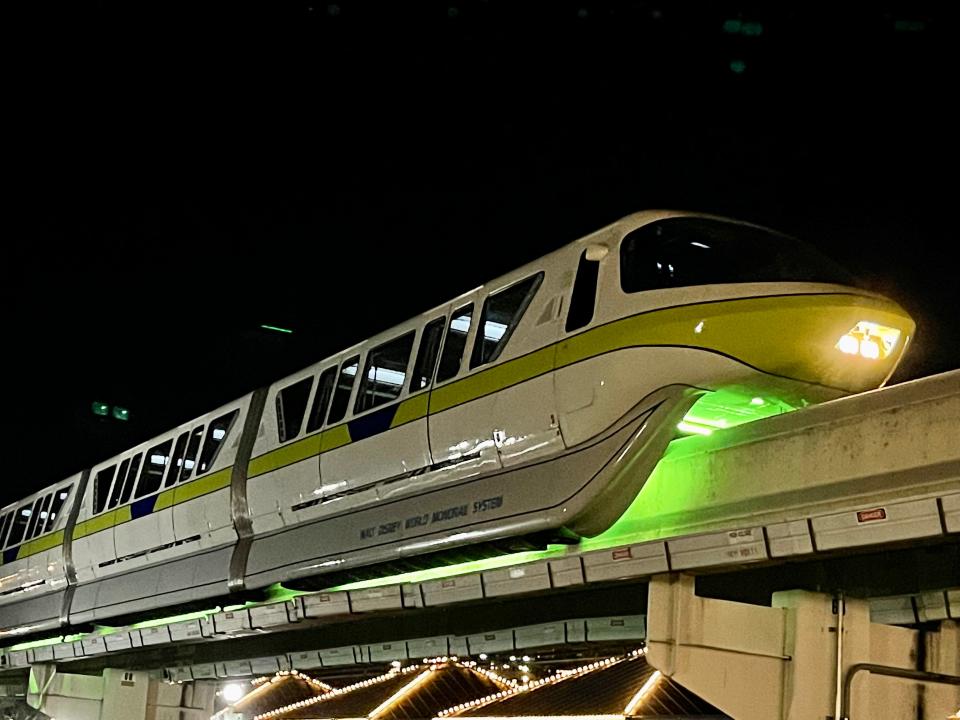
(686, 251)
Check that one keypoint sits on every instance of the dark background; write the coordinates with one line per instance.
(179, 176)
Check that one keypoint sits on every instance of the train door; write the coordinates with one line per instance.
(385, 433)
(94, 553)
(143, 525)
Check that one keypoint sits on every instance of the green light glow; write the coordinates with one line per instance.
(174, 619)
(100, 408)
(276, 329)
(729, 408)
(34, 644)
(278, 593)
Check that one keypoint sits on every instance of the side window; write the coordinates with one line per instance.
(176, 462)
(501, 315)
(101, 488)
(456, 341)
(4, 526)
(118, 485)
(584, 296)
(291, 405)
(20, 520)
(59, 498)
(132, 475)
(341, 396)
(190, 457)
(43, 519)
(427, 355)
(216, 435)
(35, 517)
(321, 399)
(152, 473)
(385, 373)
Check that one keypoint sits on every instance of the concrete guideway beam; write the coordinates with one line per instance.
(785, 662)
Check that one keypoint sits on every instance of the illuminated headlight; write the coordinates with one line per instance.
(869, 340)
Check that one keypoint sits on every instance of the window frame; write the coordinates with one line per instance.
(366, 369)
(476, 353)
(471, 332)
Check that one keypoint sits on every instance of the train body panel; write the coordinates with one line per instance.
(537, 403)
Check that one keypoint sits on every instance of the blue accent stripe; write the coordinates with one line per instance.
(10, 554)
(142, 508)
(372, 424)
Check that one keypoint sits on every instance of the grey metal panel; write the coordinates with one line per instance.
(191, 629)
(576, 630)
(932, 606)
(307, 659)
(625, 562)
(734, 546)
(458, 645)
(155, 635)
(239, 507)
(951, 512)
(333, 657)
(388, 597)
(231, 622)
(517, 579)
(490, 642)
(430, 647)
(203, 671)
(878, 524)
(326, 604)
(17, 658)
(385, 652)
(626, 627)
(953, 599)
(892, 610)
(34, 610)
(44, 653)
(180, 673)
(68, 564)
(63, 651)
(789, 538)
(412, 596)
(567, 571)
(452, 589)
(193, 577)
(122, 640)
(265, 665)
(93, 645)
(539, 635)
(234, 668)
(274, 615)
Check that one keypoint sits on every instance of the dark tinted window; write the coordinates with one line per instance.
(696, 251)
(36, 519)
(4, 526)
(341, 397)
(20, 519)
(132, 476)
(217, 434)
(118, 485)
(175, 460)
(321, 399)
(501, 314)
(583, 299)
(59, 498)
(291, 405)
(154, 464)
(101, 488)
(427, 355)
(456, 340)
(190, 456)
(385, 373)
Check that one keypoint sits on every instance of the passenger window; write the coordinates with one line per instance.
(216, 436)
(59, 498)
(132, 476)
(341, 397)
(20, 520)
(4, 526)
(291, 405)
(101, 488)
(584, 296)
(427, 355)
(152, 473)
(176, 462)
(501, 315)
(35, 517)
(456, 340)
(321, 399)
(118, 485)
(385, 373)
(190, 457)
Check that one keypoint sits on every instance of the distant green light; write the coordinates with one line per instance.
(731, 26)
(100, 408)
(738, 66)
(909, 25)
(121, 413)
(276, 329)
(752, 29)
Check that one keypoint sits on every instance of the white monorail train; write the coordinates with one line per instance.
(535, 405)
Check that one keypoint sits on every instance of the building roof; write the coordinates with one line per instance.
(284, 688)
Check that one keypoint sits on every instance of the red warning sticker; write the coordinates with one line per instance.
(871, 515)
(622, 554)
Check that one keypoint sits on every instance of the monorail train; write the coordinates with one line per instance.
(532, 407)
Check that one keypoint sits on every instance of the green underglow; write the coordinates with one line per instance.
(174, 619)
(453, 570)
(74, 637)
(729, 408)
(34, 644)
(279, 593)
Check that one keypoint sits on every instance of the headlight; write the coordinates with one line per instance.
(869, 340)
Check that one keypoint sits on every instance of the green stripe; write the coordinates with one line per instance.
(202, 486)
(40, 544)
(287, 455)
(411, 409)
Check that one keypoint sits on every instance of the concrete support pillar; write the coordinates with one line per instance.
(790, 661)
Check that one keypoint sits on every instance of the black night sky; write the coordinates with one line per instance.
(177, 178)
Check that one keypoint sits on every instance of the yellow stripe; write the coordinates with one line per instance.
(95, 524)
(201, 486)
(411, 409)
(283, 456)
(164, 499)
(336, 437)
(40, 544)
